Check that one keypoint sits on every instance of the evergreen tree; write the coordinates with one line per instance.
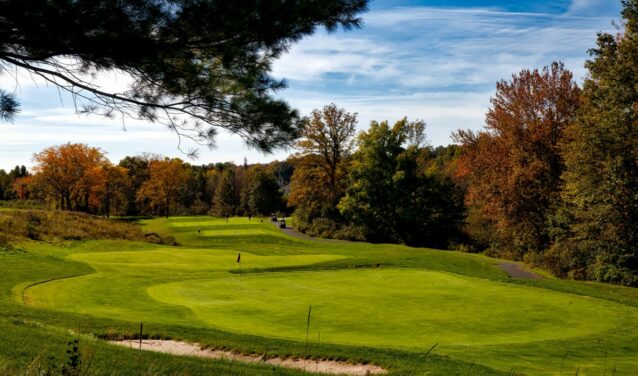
(597, 229)
(264, 196)
(225, 201)
(196, 66)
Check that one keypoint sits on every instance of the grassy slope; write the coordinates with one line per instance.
(537, 331)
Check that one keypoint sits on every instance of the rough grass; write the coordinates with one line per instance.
(384, 304)
(18, 225)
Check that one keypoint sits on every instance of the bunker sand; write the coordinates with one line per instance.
(318, 366)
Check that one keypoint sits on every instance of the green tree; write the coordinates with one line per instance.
(262, 192)
(369, 199)
(226, 198)
(597, 229)
(391, 196)
(196, 66)
(5, 185)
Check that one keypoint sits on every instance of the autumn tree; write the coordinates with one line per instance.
(166, 178)
(114, 187)
(8, 182)
(70, 175)
(597, 229)
(318, 183)
(327, 135)
(513, 167)
(22, 187)
(195, 66)
(137, 167)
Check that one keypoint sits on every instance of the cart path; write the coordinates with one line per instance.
(516, 271)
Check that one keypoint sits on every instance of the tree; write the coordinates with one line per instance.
(22, 187)
(262, 191)
(9, 107)
(513, 167)
(70, 175)
(225, 200)
(166, 178)
(195, 66)
(389, 193)
(320, 168)
(328, 135)
(308, 191)
(114, 188)
(597, 229)
(138, 173)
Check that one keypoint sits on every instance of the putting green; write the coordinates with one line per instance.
(390, 308)
(118, 289)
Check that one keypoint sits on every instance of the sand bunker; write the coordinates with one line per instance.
(191, 349)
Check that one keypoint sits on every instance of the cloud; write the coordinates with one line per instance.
(441, 47)
(594, 7)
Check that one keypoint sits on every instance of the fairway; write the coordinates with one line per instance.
(378, 296)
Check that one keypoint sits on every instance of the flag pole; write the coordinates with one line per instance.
(239, 264)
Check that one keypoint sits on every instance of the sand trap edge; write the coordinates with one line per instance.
(330, 367)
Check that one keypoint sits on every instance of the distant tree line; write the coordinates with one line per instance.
(78, 177)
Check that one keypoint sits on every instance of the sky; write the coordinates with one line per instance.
(436, 60)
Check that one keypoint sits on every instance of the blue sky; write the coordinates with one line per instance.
(434, 60)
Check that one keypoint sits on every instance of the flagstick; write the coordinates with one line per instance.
(239, 263)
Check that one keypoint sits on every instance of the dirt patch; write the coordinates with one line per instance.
(192, 349)
(516, 271)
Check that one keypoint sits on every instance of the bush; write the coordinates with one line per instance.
(351, 232)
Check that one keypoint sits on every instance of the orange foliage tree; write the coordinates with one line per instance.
(22, 187)
(513, 166)
(166, 178)
(71, 176)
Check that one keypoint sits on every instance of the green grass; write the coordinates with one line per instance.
(385, 304)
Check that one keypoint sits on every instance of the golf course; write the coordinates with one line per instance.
(247, 286)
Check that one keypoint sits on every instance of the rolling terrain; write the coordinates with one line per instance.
(377, 303)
